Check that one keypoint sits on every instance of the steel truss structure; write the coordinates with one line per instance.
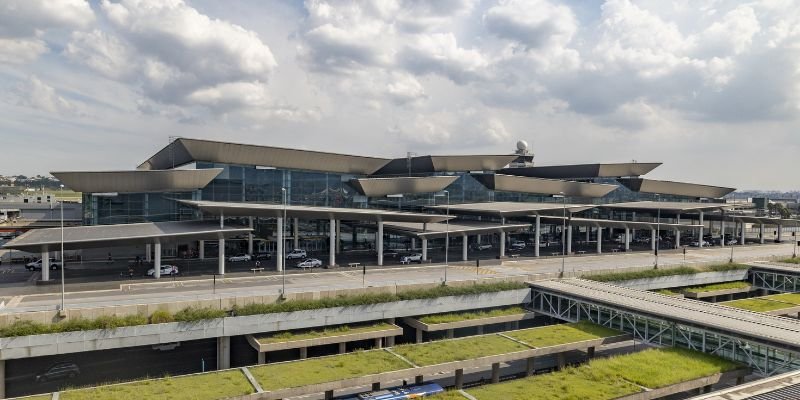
(774, 280)
(764, 359)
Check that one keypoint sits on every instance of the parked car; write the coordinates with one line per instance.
(309, 263)
(297, 254)
(697, 244)
(517, 245)
(390, 253)
(731, 242)
(240, 257)
(59, 371)
(165, 270)
(37, 265)
(416, 257)
(263, 256)
(481, 246)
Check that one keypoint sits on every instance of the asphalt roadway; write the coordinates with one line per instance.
(21, 298)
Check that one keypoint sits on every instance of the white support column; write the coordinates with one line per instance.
(338, 236)
(250, 237)
(743, 237)
(201, 249)
(221, 259)
(678, 233)
(627, 239)
(722, 231)
(424, 249)
(761, 233)
(157, 261)
(413, 243)
(379, 242)
(599, 240)
(780, 232)
(45, 265)
(537, 236)
(332, 245)
(223, 352)
(296, 233)
(569, 239)
(700, 231)
(653, 239)
(147, 253)
(588, 234)
(502, 244)
(464, 242)
(280, 258)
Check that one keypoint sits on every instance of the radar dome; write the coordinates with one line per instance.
(522, 145)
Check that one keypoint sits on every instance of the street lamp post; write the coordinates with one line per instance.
(658, 232)
(563, 235)
(733, 220)
(283, 246)
(446, 235)
(63, 257)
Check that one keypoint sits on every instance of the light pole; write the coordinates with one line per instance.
(446, 235)
(658, 231)
(63, 258)
(283, 246)
(733, 220)
(563, 235)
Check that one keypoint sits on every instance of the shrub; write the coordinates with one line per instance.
(23, 328)
(655, 273)
(191, 314)
(161, 317)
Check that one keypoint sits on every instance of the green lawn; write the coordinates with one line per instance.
(795, 260)
(757, 304)
(449, 395)
(655, 273)
(793, 298)
(325, 369)
(321, 333)
(666, 292)
(211, 386)
(442, 351)
(717, 286)
(466, 316)
(561, 334)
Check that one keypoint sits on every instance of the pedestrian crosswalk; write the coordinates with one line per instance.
(480, 270)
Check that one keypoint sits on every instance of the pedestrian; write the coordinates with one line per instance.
(110, 259)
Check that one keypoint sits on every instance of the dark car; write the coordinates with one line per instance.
(263, 256)
(59, 371)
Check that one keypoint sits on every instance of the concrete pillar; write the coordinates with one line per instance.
(342, 348)
(569, 239)
(743, 237)
(722, 231)
(379, 242)
(378, 343)
(502, 244)
(459, 379)
(157, 262)
(562, 362)
(201, 249)
(250, 237)
(495, 372)
(678, 232)
(707, 389)
(761, 233)
(588, 234)
(296, 233)
(45, 265)
(280, 258)
(221, 260)
(529, 368)
(450, 333)
(376, 386)
(333, 239)
(390, 339)
(223, 352)
(262, 357)
(303, 353)
(338, 237)
(590, 352)
(424, 249)
(537, 236)
(147, 252)
(599, 240)
(627, 239)
(413, 243)
(780, 232)
(464, 248)
(653, 239)
(2, 379)
(700, 231)
(479, 329)
(419, 379)
(329, 395)
(418, 336)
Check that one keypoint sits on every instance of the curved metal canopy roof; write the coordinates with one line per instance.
(607, 223)
(520, 184)
(440, 230)
(667, 206)
(307, 212)
(675, 188)
(512, 209)
(379, 187)
(583, 170)
(174, 180)
(99, 236)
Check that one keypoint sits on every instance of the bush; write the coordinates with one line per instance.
(655, 273)
(192, 314)
(23, 328)
(161, 317)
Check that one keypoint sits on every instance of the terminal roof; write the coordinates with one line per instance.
(668, 206)
(512, 209)
(173, 180)
(607, 223)
(440, 230)
(98, 236)
(234, 209)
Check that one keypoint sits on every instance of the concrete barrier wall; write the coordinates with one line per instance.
(699, 279)
(72, 342)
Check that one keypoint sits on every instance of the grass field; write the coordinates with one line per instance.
(561, 334)
(466, 316)
(449, 395)
(443, 351)
(795, 260)
(325, 369)
(757, 304)
(793, 298)
(210, 386)
(605, 379)
(666, 292)
(322, 333)
(655, 273)
(717, 286)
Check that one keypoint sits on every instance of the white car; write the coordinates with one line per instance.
(417, 257)
(731, 242)
(309, 263)
(240, 257)
(296, 253)
(517, 245)
(482, 246)
(165, 270)
(37, 265)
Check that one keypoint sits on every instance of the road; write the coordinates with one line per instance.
(24, 298)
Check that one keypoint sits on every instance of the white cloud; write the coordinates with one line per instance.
(21, 51)
(103, 53)
(439, 53)
(25, 18)
(38, 95)
(537, 24)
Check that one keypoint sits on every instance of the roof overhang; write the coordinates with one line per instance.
(460, 228)
(675, 188)
(99, 236)
(379, 187)
(667, 206)
(310, 213)
(457, 163)
(765, 220)
(519, 184)
(503, 209)
(174, 180)
(607, 223)
(613, 170)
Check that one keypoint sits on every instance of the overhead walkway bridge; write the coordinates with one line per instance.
(777, 278)
(768, 344)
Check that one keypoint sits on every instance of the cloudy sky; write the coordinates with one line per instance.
(711, 88)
